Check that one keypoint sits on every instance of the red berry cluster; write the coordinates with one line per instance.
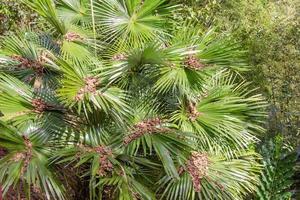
(197, 167)
(149, 126)
(119, 57)
(193, 62)
(91, 84)
(193, 112)
(39, 105)
(25, 63)
(71, 37)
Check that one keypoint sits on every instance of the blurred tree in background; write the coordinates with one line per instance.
(14, 16)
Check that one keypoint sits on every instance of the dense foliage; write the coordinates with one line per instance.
(15, 15)
(269, 29)
(117, 100)
(276, 179)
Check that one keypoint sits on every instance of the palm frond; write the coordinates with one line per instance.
(222, 178)
(130, 103)
(74, 11)
(85, 90)
(130, 20)
(218, 114)
(27, 162)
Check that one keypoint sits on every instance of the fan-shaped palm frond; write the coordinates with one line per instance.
(27, 57)
(211, 176)
(47, 9)
(20, 104)
(132, 69)
(131, 21)
(220, 114)
(26, 162)
(103, 159)
(88, 91)
(74, 40)
(151, 134)
(74, 11)
(188, 59)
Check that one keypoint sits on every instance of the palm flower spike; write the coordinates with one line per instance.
(104, 152)
(90, 86)
(149, 126)
(26, 156)
(73, 36)
(193, 113)
(192, 62)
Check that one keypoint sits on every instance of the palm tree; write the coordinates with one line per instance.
(117, 96)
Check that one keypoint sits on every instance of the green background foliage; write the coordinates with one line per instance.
(15, 16)
(276, 179)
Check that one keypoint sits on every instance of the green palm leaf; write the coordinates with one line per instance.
(74, 11)
(219, 115)
(87, 91)
(276, 177)
(135, 21)
(27, 162)
(224, 179)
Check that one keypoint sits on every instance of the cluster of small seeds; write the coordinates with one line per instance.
(39, 105)
(193, 112)
(26, 156)
(193, 62)
(149, 126)
(25, 63)
(18, 156)
(105, 164)
(119, 57)
(91, 84)
(197, 167)
(104, 152)
(28, 153)
(71, 37)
